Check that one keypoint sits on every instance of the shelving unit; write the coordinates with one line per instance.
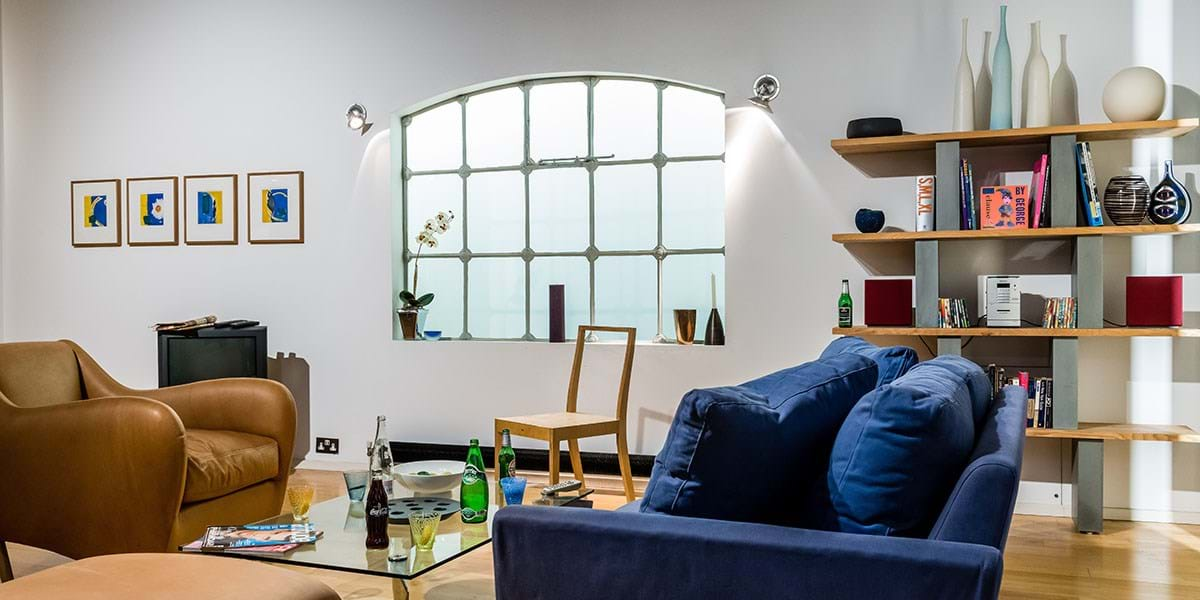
(940, 153)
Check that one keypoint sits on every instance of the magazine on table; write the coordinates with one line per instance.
(258, 537)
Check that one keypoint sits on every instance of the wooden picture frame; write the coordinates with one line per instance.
(275, 207)
(224, 210)
(158, 217)
(85, 234)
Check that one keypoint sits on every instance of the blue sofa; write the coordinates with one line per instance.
(583, 554)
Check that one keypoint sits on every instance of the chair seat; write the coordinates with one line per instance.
(564, 424)
(174, 576)
(223, 462)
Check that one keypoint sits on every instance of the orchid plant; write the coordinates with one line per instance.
(427, 238)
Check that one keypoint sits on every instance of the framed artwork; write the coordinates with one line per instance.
(210, 209)
(96, 213)
(275, 207)
(152, 211)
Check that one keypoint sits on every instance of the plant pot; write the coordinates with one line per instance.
(412, 322)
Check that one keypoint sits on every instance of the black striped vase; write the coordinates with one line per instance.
(1126, 199)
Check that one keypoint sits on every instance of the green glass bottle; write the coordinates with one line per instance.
(473, 494)
(845, 306)
(508, 458)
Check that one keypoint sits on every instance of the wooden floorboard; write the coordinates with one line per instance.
(1045, 558)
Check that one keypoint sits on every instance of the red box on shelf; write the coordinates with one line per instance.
(1154, 301)
(888, 303)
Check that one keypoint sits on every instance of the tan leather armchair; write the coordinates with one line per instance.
(89, 466)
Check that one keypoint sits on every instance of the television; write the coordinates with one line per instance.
(211, 353)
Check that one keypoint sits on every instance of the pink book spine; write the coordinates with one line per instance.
(1037, 189)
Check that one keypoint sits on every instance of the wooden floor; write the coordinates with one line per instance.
(1045, 559)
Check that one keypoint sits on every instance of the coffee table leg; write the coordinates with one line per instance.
(399, 589)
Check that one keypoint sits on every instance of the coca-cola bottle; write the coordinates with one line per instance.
(377, 498)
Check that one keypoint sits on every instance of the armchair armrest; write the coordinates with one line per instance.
(584, 554)
(91, 477)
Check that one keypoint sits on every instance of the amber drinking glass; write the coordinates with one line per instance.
(300, 496)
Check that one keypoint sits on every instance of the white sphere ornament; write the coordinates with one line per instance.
(1134, 94)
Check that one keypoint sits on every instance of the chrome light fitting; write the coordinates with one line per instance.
(356, 118)
(766, 89)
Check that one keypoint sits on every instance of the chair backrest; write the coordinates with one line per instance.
(980, 509)
(626, 368)
(36, 374)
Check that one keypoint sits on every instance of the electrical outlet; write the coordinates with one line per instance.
(327, 445)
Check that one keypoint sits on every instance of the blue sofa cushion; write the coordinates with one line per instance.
(752, 452)
(978, 386)
(893, 361)
(902, 448)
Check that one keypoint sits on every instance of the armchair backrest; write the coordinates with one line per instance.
(36, 374)
(980, 509)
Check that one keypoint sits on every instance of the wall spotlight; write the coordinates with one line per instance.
(766, 89)
(356, 118)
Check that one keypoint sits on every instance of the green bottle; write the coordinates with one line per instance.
(473, 494)
(508, 458)
(845, 306)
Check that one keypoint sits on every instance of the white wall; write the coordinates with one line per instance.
(143, 88)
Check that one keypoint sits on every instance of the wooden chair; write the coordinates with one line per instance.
(572, 425)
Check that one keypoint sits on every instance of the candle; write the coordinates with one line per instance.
(714, 289)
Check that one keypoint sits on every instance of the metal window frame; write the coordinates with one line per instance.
(401, 175)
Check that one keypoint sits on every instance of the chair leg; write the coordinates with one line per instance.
(496, 451)
(626, 470)
(553, 460)
(6, 571)
(576, 460)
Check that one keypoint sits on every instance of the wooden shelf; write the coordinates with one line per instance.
(1121, 431)
(910, 155)
(1093, 132)
(1001, 234)
(1019, 332)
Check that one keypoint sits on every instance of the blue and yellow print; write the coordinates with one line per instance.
(95, 211)
(209, 208)
(152, 209)
(275, 205)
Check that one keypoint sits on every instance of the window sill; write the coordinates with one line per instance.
(570, 343)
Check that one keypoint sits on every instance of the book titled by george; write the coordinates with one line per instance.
(1004, 206)
(558, 312)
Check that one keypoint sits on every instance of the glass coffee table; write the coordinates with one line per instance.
(342, 546)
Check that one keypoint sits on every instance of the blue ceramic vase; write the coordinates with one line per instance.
(1002, 78)
(1170, 203)
(868, 220)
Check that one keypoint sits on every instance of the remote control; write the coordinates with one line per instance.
(223, 324)
(565, 486)
(242, 324)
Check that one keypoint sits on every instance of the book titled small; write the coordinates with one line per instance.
(925, 191)
(1005, 206)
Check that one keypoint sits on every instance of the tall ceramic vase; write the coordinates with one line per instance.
(964, 89)
(1064, 92)
(1001, 117)
(983, 87)
(1035, 96)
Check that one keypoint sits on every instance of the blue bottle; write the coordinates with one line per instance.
(1002, 78)
(1170, 203)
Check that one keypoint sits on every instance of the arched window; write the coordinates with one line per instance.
(610, 184)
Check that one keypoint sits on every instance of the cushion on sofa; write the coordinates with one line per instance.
(902, 448)
(751, 452)
(893, 361)
(978, 386)
(223, 462)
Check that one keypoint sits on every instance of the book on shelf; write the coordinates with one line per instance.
(968, 216)
(1004, 206)
(1039, 405)
(1060, 313)
(925, 198)
(952, 313)
(1037, 191)
(1089, 198)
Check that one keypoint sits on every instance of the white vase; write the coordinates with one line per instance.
(1035, 97)
(1064, 92)
(964, 90)
(983, 88)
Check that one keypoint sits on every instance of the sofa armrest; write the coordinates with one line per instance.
(91, 477)
(584, 554)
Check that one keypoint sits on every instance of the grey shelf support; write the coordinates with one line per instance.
(1064, 360)
(949, 346)
(1087, 500)
(1063, 178)
(926, 271)
(1087, 282)
(947, 191)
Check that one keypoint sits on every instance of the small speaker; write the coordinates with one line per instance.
(888, 302)
(1154, 301)
(558, 312)
(874, 127)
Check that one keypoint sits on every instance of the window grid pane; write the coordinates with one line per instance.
(532, 257)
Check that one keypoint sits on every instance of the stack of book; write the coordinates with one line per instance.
(952, 313)
(1059, 313)
(1039, 411)
(1089, 197)
(255, 538)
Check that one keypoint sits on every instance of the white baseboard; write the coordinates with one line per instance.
(1042, 509)
(330, 465)
(1152, 516)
